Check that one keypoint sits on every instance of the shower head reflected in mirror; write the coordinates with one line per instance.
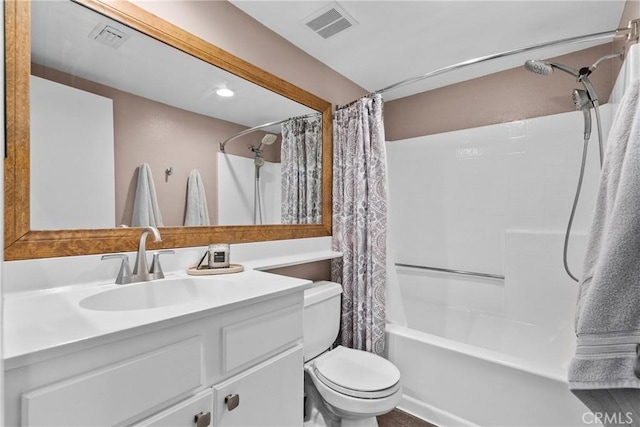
(268, 139)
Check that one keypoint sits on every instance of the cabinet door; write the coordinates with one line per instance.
(270, 394)
(189, 413)
(119, 392)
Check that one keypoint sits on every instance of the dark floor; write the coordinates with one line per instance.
(397, 418)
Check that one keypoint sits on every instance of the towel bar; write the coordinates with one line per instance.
(447, 270)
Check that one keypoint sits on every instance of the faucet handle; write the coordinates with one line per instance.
(156, 268)
(124, 275)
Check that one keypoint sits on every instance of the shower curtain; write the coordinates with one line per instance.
(360, 221)
(301, 163)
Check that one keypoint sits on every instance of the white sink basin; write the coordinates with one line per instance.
(153, 294)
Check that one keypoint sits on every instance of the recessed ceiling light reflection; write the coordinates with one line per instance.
(225, 92)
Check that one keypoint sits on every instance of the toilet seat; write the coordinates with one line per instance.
(357, 373)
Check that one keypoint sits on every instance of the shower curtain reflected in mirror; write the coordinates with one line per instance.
(301, 163)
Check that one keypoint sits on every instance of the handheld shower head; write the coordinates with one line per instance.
(580, 99)
(582, 102)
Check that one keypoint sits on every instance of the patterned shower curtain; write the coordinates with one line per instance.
(301, 162)
(360, 221)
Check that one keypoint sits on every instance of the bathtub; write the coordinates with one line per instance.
(464, 362)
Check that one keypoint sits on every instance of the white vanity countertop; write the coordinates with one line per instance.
(43, 320)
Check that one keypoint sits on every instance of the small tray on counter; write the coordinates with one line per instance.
(205, 271)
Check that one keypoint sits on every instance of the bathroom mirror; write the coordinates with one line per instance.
(37, 158)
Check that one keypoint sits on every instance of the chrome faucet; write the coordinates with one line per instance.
(141, 268)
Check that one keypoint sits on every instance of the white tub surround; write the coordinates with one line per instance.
(504, 333)
(454, 195)
(490, 200)
(157, 352)
(236, 185)
(496, 200)
(452, 384)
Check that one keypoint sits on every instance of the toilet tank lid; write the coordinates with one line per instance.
(321, 291)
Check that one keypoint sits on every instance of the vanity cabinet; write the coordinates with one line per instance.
(266, 395)
(241, 366)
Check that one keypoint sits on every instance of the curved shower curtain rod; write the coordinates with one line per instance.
(266, 125)
(631, 31)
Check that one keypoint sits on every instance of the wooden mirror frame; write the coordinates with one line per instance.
(23, 243)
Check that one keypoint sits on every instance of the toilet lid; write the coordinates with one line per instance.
(357, 373)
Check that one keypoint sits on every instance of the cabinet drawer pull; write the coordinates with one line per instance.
(232, 401)
(202, 419)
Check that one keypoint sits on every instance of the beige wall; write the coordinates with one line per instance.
(631, 11)
(315, 271)
(506, 96)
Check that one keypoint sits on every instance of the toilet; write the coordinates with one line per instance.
(343, 387)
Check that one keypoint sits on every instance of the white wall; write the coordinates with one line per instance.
(236, 178)
(72, 158)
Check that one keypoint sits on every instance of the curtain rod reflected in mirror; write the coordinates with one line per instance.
(266, 125)
(22, 242)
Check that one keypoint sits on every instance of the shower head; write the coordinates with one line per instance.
(538, 67)
(546, 68)
(582, 102)
(258, 161)
(268, 139)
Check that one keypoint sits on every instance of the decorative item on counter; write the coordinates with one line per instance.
(219, 255)
(217, 262)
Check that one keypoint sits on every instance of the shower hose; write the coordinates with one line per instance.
(257, 197)
(579, 187)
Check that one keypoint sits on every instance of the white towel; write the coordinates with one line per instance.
(197, 211)
(608, 311)
(146, 211)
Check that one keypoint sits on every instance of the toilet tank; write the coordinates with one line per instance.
(321, 317)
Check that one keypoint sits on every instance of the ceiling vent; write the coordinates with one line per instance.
(108, 35)
(330, 21)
